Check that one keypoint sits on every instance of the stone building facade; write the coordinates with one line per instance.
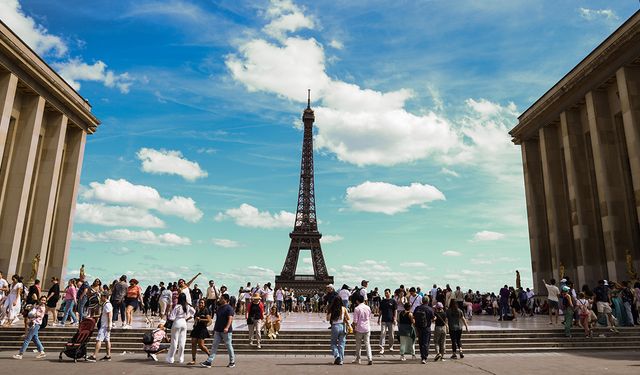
(580, 147)
(43, 128)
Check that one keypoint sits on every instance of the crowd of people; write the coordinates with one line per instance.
(408, 313)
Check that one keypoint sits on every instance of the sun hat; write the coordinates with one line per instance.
(256, 296)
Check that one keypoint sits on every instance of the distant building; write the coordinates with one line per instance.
(581, 156)
(43, 128)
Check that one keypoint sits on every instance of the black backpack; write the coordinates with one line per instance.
(45, 321)
(147, 338)
(420, 316)
(354, 295)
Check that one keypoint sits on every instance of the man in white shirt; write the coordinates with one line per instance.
(552, 296)
(414, 299)
(212, 297)
(363, 290)
(104, 332)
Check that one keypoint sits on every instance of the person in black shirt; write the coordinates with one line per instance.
(602, 297)
(199, 333)
(53, 296)
(423, 317)
(388, 316)
(440, 332)
(222, 332)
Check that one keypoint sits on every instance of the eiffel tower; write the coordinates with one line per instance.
(305, 235)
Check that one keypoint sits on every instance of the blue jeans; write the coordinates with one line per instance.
(118, 306)
(68, 311)
(33, 334)
(504, 308)
(279, 305)
(338, 340)
(219, 337)
(82, 302)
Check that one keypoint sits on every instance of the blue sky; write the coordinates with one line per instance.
(195, 167)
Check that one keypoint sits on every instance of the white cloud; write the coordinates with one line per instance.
(592, 14)
(413, 265)
(486, 235)
(451, 253)
(449, 172)
(223, 242)
(170, 162)
(75, 70)
(113, 216)
(248, 216)
(125, 193)
(390, 199)
(126, 235)
(286, 17)
(330, 238)
(36, 36)
(336, 44)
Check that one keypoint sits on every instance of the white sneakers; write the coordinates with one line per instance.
(40, 355)
(17, 356)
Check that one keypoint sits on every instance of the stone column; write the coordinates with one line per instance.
(629, 91)
(585, 235)
(19, 181)
(541, 260)
(628, 80)
(560, 243)
(40, 223)
(8, 84)
(66, 202)
(611, 192)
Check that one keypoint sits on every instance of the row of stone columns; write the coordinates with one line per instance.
(41, 155)
(582, 182)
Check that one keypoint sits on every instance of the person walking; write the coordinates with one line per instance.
(423, 317)
(70, 294)
(567, 302)
(362, 328)
(387, 319)
(602, 298)
(339, 318)
(104, 332)
(132, 301)
(440, 331)
(118, 294)
(255, 317)
(179, 315)
(583, 309)
(406, 332)
(35, 316)
(199, 333)
(279, 298)
(222, 332)
(165, 301)
(454, 317)
(53, 296)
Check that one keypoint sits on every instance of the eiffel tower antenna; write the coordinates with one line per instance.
(308, 98)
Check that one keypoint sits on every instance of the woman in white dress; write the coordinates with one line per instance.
(13, 303)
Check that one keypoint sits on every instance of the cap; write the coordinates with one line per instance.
(565, 288)
(606, 283)
(331, 286)
(439, 305)
(105, 294)
(563, 280)
(364, 282)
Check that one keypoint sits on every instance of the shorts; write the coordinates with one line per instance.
(553, 305)
(52, 303)
(103, 335)
(131, 302)
(604, 308)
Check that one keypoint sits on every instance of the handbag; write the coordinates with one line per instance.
(168, 324)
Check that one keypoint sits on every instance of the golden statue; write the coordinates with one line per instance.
(630, 268)
(82, 275)
(518, 285)
(561, 271)
(35, 263)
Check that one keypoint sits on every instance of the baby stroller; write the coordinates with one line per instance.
(76, 348)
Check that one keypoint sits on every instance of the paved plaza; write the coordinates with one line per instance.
(548, 363)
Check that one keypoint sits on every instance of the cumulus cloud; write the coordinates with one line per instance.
(329, 238)
(390, 199)
(451, 253)
(36, 36)
(113, 216)
(286, 17)
(248, 216)
(126, 235)
(486, 235)
(223, 242)
(592, 14)
(336, 44)
(75, 70)
(123, 192)
(449, 172)
(169, 162)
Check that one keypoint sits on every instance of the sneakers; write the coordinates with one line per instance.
(336, 361)
(91, 358)
(438, 357)
(424, 362)
(381, 351)
(231, 365)
(402, 358)
(17, 356)
(454, 356)
(356, 361)
(106, 358)
(154, 357)
(41, 355)
(259, 346)
(205, 364)
(369, 363)
(391, 348)
(461, 355)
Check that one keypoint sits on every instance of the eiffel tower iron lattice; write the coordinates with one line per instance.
(305, 234)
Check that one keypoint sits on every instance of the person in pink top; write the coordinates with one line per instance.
(362, 328)
(70, 295)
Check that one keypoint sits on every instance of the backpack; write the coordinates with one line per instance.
(626, 295)
(420, 316)
(45, 321)
(148, 338)
(353, 296)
